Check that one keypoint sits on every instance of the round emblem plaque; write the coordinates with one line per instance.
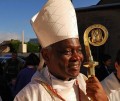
(97, 34)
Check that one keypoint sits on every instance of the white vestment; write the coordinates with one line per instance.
(112, 87)
(0, 98)
(35, 91)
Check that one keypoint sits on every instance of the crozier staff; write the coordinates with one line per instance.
(56, 28)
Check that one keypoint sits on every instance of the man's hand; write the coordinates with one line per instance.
(94, 89)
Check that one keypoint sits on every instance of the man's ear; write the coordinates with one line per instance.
(45, 54)
(116, 65)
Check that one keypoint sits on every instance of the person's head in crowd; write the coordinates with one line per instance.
(107, 60)
(14, 55)
(32, 60)
(117, 64)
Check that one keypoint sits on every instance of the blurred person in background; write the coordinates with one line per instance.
(111, 83)
(5, 91)
(12, 67)
(11, 70)
(104, 69)
(24, 76)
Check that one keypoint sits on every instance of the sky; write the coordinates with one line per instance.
(15, 17)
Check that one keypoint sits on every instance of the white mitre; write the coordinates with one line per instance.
(55, 22)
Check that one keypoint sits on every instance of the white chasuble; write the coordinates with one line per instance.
(38, 88)
(112, 87)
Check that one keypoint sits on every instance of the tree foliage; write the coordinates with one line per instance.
(33, 47)
(14, 45)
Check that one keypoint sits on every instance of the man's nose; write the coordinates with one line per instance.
(77, 56)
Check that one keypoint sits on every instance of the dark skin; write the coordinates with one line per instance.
(64, 60)
(94, 90)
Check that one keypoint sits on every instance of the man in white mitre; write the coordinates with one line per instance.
(111, 83)
(56, 28)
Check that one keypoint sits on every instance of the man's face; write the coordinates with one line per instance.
(108, 62)
(65, 59)
(14, 56)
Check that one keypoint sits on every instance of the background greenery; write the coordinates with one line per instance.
(31, 47)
